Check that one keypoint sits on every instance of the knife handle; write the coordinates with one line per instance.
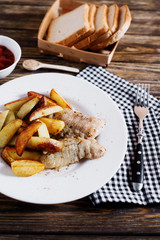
(138, 172)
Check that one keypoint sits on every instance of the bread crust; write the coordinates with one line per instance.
(92, 13)
(111, 30)
(118, 34)
(85, 43)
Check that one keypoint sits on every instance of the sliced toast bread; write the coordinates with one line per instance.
(63, 31)
(112, 19)
(123, 25)
(101, 27)
(92, 13)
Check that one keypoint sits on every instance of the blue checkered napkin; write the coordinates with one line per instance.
(119, 188)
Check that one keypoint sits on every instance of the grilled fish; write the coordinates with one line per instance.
(79, 124)
(74, 149)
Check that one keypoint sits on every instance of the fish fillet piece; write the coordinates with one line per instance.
(79, 124)
(74, 149)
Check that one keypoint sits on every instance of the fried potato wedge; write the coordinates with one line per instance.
(6, 157)
(27, 154)
(3, 116)
(26, 168)
(42, 102)
(10, 117)
(22, 127)
(49, 101)
(15, 105)
(43, 131)
(44, 144)
(59, 99)
(27, 107)
(25, 135)
(44, 111)
(54, 125)
(40, 143)
(12, 142)
(8, 132)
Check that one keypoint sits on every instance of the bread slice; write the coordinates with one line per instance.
(112, 20)
(70, 27)
(101, 27)
(92, 13)
(123, 25)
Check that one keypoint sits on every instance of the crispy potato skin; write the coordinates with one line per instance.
(6, 157)
(45, 144)
(49, 101)
(25, 135)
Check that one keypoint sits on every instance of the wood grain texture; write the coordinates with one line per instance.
(137, 58)
(78, 217)
(74, 237)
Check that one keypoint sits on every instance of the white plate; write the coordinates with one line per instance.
(80, 179)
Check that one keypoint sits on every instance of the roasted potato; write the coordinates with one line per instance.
(8, 132)
(27, 154)
(44, 144)
(3, 116)
(54, 125)
(26, 168)
(12, 142)
(22, 127)
(44, 111)
(43, 131)
(25, 135)
(42, 102)
(10, 117)
(49, 101)
(59, 99)
(15, 105)
(6, 157)
(27, 107)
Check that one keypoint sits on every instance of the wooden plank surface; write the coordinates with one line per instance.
(137, 58)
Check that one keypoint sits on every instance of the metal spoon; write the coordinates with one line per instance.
(33, 65)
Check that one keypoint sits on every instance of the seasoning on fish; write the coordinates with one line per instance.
(74, 149)
(79, 124)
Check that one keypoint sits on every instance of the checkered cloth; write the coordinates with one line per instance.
(119, 188)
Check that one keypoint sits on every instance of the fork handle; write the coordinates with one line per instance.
(137, 175)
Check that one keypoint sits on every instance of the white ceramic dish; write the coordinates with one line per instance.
(15, 49)
(77, 180)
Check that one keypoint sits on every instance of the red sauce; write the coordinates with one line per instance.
(6, 57)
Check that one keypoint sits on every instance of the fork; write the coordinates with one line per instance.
(141, 109)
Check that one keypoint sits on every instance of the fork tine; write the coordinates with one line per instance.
(136, 101)
(148, 95)
(140, 97)
(144, 96)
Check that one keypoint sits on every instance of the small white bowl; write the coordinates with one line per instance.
(15, 49)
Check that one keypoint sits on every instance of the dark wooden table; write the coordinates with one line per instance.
(137, 58)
